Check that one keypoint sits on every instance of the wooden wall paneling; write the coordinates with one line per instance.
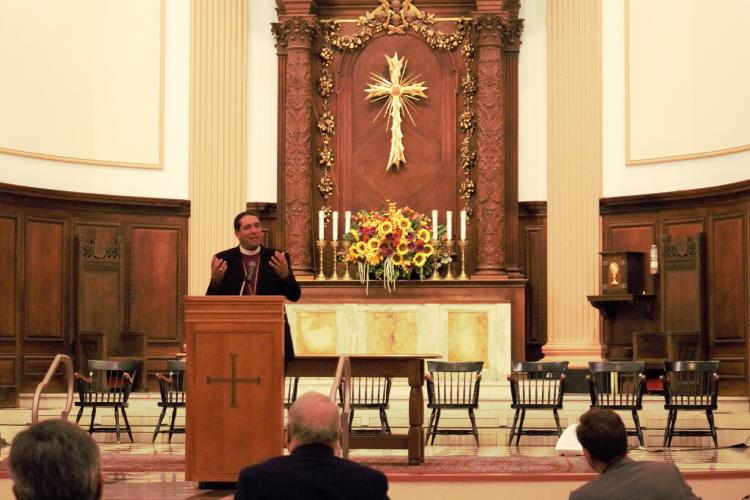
(532, 248)
(8, 268)
(99, 279)
(154, 282)
(686, 225)
(681, 268)
(46, 280)
(8, 391)
(33, 369)
(733, 374)
(727, 279)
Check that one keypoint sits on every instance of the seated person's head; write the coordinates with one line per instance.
(313, 418)
(56, 460)
(603, 436)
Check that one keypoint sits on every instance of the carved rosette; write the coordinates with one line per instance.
(490, 141)
(295, 37)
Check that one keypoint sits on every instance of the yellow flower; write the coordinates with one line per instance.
(374, 258)
(419, 259)
(398, 259)
(373, 244)
(428, 250)
(423, 235)
(354, 234)
(402, 248)
(404, 224)
(386, 227)
(358, 249)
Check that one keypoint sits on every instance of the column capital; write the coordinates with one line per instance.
(295, 32)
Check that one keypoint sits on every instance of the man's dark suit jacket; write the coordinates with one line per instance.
(269, 283)
(628, 479)
(311, 472)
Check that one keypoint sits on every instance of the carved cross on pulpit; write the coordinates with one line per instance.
(400, 92)
(233, 380)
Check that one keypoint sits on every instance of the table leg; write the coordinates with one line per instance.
(416, 413)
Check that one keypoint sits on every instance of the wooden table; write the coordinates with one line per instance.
(410, 366)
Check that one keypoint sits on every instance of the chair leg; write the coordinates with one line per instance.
(710, 417)
(671, 428)
(434, 429)
(80, 414)
(351, 418)
(117, 424)
(474, 425)
(520, 426)
(93, 417)
(127, 424)
(171, 423)
(666, 428)
(638, 429)
(429, 425)
(513, 427)
(557, 422)
(384, 427)
(158, 424)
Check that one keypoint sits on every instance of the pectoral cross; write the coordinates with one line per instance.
(233, 380)
(400, 93)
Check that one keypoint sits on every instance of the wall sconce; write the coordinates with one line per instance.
(653, 260)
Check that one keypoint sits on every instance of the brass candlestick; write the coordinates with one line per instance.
(463, 275)
(321, 249)
(335, 245)
(435, 257)
(449, 245)
(345, 244)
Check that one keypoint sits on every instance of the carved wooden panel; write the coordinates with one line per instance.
(45, 283)
(683, 290)
(428, 178)
(7, 371)
(8, 277)
(154, 289)
(729, 279)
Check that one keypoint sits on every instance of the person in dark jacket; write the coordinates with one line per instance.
(312, 470)
(251, 269)
(605, 446)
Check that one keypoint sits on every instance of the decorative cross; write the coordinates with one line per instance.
(233, 380)
(400, 93)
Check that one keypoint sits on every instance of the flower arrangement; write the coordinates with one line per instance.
(393, 243)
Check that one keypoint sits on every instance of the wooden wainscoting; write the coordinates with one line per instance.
(72, 262)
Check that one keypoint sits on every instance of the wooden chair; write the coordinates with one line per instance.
(453, 386)
(172, 392)
(536, 386)
(619, 385)
(690, 386)
(290, 391)
(108, 385)
(369, 393)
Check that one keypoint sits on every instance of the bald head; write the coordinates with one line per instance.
(313, 418)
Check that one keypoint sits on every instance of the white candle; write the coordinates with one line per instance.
(335, 225)
(434, 225)
(321, 224)
(463, 225)
(347, 221)
(449, 224)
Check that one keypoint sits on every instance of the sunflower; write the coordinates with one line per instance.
(358, 249)
(373, 244)
(402, 248)
(386, 227)
(428, 250)
(423, 234)
(374, 258)
(420, 259)
(403, 224)
(398, 259)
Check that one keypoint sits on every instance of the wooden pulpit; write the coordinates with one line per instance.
(235, 384)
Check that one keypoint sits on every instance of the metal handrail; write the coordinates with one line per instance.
(40, 387)
(343, 372)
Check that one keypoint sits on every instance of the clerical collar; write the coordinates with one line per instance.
(249, 252)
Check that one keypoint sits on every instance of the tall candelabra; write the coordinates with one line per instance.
(344, 252)
(462, 245)
(449, 246)
(435, 259)
(321, 250)
(335, 245)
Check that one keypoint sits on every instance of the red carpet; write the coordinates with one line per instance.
(164, 462)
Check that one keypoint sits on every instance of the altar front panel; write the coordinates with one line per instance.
(456, 331)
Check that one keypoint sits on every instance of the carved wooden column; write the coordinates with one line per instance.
(511, 33)
(490, 192)
(294, 40)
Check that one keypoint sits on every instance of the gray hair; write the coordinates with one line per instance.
(314, 418)
(55, 459)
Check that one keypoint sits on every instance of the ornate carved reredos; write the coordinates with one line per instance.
(332, 149)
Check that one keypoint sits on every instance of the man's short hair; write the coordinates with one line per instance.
(602, 433)
(322, 428)
(55, 459)
(239, 216)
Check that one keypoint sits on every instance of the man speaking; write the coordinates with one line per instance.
(250, 269)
